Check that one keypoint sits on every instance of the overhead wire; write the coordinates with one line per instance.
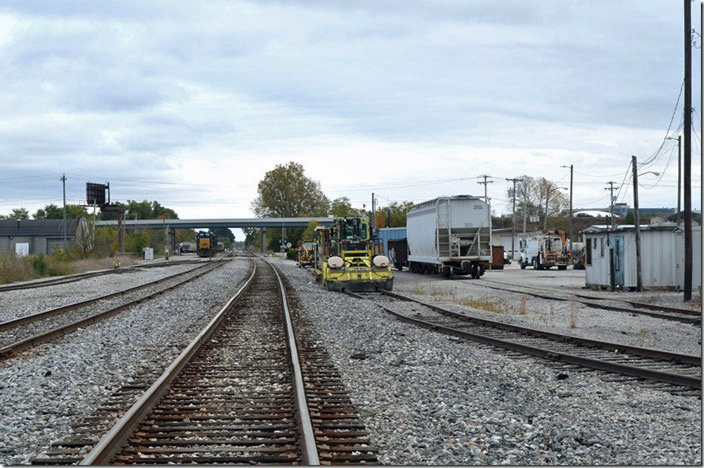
(655, 155)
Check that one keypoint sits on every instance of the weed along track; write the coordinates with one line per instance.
(676, 373)
(245, 391)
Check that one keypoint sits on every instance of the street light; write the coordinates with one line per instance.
(639, 267)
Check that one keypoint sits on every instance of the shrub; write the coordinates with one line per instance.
(39, 264)
(14, 268)
(291, 254)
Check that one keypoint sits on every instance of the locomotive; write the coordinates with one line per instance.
(206, 244)
(346, 258)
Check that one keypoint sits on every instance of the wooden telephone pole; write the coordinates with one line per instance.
(687, 130)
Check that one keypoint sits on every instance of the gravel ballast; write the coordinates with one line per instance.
(426, 398)
(43, 392)
(431, 399)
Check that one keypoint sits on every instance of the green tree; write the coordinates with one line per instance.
(52, 211)
(135, 242)
(285, 191)
(308, 233)
(395, 213)
(224, 235)
(342, 208)
(18, 213)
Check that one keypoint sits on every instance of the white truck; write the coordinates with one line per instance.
(544, 251)
(449, 235)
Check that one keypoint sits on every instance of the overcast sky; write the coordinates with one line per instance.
(191, 103)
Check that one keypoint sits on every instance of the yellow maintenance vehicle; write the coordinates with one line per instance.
(304, 254)
(346, 258)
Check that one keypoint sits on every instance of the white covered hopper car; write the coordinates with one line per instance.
(449, 235)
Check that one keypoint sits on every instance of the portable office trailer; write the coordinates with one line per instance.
(659, 256)
(696, 258)
(451, 235)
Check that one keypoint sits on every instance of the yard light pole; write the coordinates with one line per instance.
(639, 266)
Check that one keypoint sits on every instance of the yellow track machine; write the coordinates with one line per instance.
(346, 258)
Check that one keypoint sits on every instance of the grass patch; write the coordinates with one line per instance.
(14, 268)
(496, 306)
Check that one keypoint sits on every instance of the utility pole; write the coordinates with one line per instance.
(679, 173)
(571, 173)
(63, 180)
(639, 267)
(373, 223)
(687, 130)
(513, 222)
(611, 197)
(485, 177)
(525, 203)
(547, 199)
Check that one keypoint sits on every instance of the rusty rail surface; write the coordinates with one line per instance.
(671, 368)
(676, 314)
(235, 396)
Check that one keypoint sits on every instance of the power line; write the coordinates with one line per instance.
(674, 111)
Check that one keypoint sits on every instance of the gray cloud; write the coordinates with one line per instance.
(157, 83)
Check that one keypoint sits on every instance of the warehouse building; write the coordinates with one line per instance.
(39, 236)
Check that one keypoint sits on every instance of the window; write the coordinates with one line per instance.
(601, 247)
(589, 251)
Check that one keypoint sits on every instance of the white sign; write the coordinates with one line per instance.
(22, 249)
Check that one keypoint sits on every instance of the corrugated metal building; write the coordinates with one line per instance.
(662, 256)
(389, 233)
(38, 236)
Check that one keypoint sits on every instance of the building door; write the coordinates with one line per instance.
(618, 259)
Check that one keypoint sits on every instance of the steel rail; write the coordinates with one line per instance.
(49, 313)
(666, 377)
(81, 276)
(9, 350)
(111, 443)
(693, 317)
(645, 352)
(309, 447)
(635, 304)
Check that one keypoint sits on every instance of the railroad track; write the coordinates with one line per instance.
(82, 276)
(25, 332)
(676, 373)
(677, 314)
(246, 390)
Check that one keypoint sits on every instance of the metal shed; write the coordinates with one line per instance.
(390, 233)
(662, 256)
(38, 236)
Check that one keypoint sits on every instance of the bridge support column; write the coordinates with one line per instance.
(262, 239)
(172, 240)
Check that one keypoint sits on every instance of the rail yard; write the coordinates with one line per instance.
(187, 362)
